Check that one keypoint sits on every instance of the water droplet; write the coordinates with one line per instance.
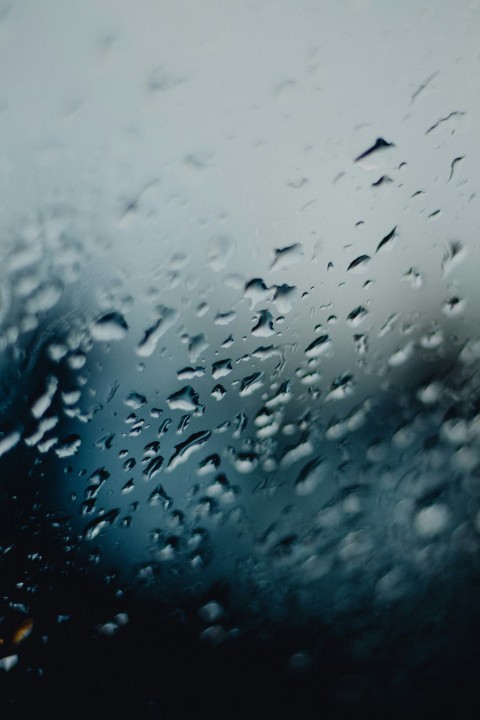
(214, 635)
(285, 298)
(8, 440)
(211, 612)
(454, 306)
(357, 316)
(158, 496)
(153, 467)
(42, 403)
(341, 388)
(244, 462)
(146, 347)
(8, 662)
(135, 400)
(392, 586)
(68, 446)
(287, 256)
(359, 265)
(388, 242)
(264, 326)
(109, 327)
(401, 355)
(454, 254)
(95, 526)
(221, 368)
(218, 392)
(379, 144)
(219, 252)
(128, 487)
(196, 346)
(184, 399)
(45, 296)
(224, 318)
(294, 453)
(256, 291)
(185, 449)
(432, 521)
(209, 465)
(318, 347)
(309, 478)
(251, 383)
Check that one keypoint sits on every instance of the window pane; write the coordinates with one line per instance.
(240, 430)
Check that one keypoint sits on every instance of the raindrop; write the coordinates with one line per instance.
(45, 297)
(264, 326)
(211, 612)
(94, 527)
(8, 662)
(196, 346)
(432, 521)
(183, 423)
(309, 478)
(221, 368)
(148, 344)
(387, 243)
(135, 400)
(218, 392)
(109, 327)
(341, 388)
(42, 403)
(285, 298)
(188, 373)
(184, 399)
(219, 252)
(318, 347)
(287, 256)
(208, 465)
(224, 318)
(183, 451)
(153, 467)
(256, 291)
(294, 453)
(379, 144)
(357, 316)
(251, 383)
(453, 256)
(454, 306)
(8, 440)
(359, 265)
(68, 446)
(158, 496)
(400, 356)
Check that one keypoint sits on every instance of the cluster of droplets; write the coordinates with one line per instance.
(248, 427)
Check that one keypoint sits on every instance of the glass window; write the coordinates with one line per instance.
(240, 430)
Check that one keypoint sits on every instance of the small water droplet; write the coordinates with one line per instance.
(219, 252)
(318, 347)
(95, 526)
(287, 256)
(359, 265)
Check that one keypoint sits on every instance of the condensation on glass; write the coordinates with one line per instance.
(239, 303)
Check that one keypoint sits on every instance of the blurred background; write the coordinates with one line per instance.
(239, 358)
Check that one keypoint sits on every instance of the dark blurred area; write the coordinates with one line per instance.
(99, 648)
(156, 667)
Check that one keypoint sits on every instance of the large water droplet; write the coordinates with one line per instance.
(109, 327)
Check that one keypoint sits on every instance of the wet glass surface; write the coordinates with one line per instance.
(239, 357)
